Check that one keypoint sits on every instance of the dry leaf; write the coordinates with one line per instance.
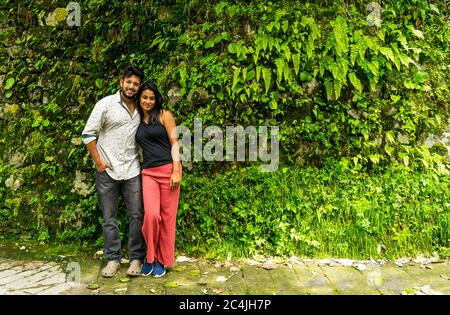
(121, 291)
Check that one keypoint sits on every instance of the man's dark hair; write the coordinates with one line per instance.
(133, 70)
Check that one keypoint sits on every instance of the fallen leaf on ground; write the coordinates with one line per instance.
(194, 272)
(126, 279)
(93, 286)
(445, 277)
(120, 291)
(153, 290)
(179, 268)
(171, 284)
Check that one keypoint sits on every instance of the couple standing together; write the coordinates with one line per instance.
(117, 124)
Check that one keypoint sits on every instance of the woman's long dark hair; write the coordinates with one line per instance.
(156, 111)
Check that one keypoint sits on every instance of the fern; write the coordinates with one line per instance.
(296, 61)
(235, 77)
(279, 63)
(355, 81)
(286, 50)
(267, 77)
(340, 35)
(337, 88)
(328, 88)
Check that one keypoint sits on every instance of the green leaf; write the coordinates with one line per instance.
(279, 63)
(417, 33)
(8, 94)
(434, 8)
(421, 77)
(258, 72)
(267, 76)
(387, 52)
(250, 75)
(220, 95)
(99, 83)
(329, 88)
(284, 25)
(296, 61)
(9, 83)
(194, 272)
(355, 81)
(273, 105)
(373, 66)
(172, 284)
(233, 48)
(390, 136)
(236, 73)
(225, 36)
(287, 51)
(408, 84)
(209, 44)
(93, 286)
(337, 88)
(305, 76)
(404, 59)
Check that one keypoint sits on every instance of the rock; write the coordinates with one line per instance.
(221, 279)
(404, 139)
(344, 262)
(174, 95)
(360, 267)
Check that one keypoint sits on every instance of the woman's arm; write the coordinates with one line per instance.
(170, 125)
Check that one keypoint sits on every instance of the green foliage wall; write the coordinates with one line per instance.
(336, 86)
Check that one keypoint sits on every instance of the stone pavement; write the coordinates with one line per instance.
(256, 276)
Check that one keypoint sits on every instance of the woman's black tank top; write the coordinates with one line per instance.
(155, 145)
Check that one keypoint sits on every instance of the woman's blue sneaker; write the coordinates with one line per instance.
(158, 270)
(147, 268)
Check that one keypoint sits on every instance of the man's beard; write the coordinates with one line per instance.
(128, 97)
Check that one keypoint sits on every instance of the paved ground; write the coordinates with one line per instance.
(70, 275)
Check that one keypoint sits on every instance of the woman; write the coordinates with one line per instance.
(161, 178)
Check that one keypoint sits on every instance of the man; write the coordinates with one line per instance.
(110, 138)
